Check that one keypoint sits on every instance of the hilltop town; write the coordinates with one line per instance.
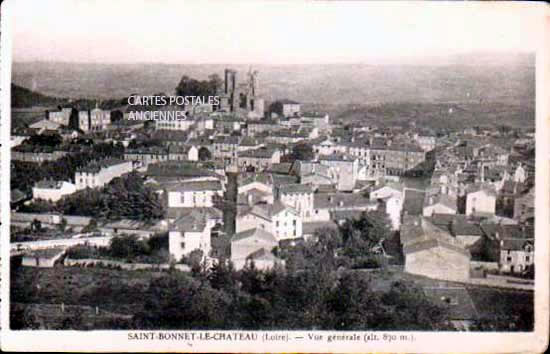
(265, 202)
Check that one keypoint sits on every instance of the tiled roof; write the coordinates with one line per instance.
(261, 153)
(295, 189)
(227, 139)
(96, 166)
(255, 233)
(262, 254)
(340, 200)
(197, 186)
(432, 236)
(193, 222)
(514, 244)
(208, 212)
(48, 184)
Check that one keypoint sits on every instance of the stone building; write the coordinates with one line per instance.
(242, 97)
(433, 252)
(99, 173)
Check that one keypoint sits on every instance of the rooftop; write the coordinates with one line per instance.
(295, 189)
(196, 186)
(255, 233)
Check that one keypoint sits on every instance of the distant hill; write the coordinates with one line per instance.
(22, 97)
(508, 79)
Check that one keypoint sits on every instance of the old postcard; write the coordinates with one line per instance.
(275, 176)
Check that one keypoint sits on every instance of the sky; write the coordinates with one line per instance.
(271, 32)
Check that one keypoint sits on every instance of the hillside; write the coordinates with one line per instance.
(22, 97)
(508, 80)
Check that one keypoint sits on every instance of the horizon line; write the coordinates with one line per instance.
(405, 60)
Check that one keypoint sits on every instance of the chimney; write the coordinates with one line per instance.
(249, 199)
(341, 203)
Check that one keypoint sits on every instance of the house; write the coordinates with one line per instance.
(147, 155)
(259, 159)
(386, 190)
(93, 120)
(470, 234)
(297, 196)
(280, 220)
(262, 126)
(36, 153)
(183, 153)
(130, 227)
(49, 220)
(249, 143)
(325, 204)
(193, 194)
(480, 200)
(52, 190)
(433, 252)
(325, 146)
(61, 116)
(262, 260)
(317, 120)
(45, 124)
(346, 169)
(512, 246)
(244, 245)
(99, 173)
(225, 148)
(286, 108)
(439, 204)
(397, 159)
(426, 142)
(189, 233)
(174, 124)
(44, 258)
(516, 254)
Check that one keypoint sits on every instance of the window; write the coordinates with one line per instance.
(509, 259)
(527, 259)
(277, 224)
(182, 245)
(294, 222)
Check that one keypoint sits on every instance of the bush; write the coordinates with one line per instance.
(365, 262)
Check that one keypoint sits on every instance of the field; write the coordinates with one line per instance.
(119, 293)
(440, 115)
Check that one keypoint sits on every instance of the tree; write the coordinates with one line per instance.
(303, 152)
(222, 275)
(191, 87)
(360, 236)
(204, 154)
(116, 115)
(128, 247)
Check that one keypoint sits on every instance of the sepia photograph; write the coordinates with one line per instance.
(330, 173)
